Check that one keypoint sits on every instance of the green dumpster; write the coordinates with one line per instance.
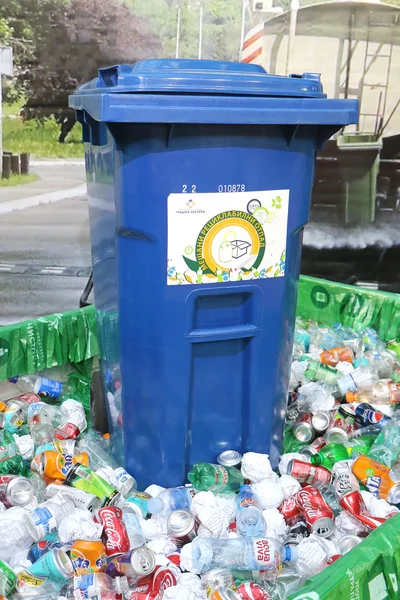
(358, 168)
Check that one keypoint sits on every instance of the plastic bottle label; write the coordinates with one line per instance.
(43, 520)
(221, 476)
(247, 499)
(26, 579)
(50, 388)
(86, 587)
(264, 552)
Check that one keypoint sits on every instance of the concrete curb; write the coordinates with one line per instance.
(58, 162)
(47, 198)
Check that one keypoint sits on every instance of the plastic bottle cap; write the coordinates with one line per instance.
(315, 459)
(350, 397)
(289, 553)
(155, 505)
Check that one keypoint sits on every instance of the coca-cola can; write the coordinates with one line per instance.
(314, 447)
(116, 538)
(333, 559)
(307, 473)
(154, 585)
(181, 527)
(354, 503)
(303, 430)
(297, 533)
(318, 514)
(320, 421)
(252, 591)
(290, 511)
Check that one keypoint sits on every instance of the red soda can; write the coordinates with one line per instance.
(116, 538)
(333, 559)
(314, 447)
(303, 430)
(353, 502)
(317, 513)
(153, 586)
(252, 591)
(307, 473)
(290, 511)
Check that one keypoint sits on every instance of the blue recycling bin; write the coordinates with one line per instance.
(199, 182)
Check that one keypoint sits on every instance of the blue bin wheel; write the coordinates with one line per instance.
(98, 404)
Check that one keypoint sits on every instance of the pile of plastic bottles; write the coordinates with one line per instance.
(75, 527)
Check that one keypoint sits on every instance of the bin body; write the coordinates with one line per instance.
(198, 230)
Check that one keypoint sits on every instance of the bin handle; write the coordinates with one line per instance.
(218, 334)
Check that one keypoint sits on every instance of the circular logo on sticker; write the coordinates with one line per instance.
(261, 214)
(4, 351)
(231, 240)
(320, 296)
(253, 205)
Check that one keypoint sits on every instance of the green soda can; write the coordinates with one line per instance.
(394, 346)
(11, 462)
(317, 371)
(83, 478)
(7, 579)
(205, 476)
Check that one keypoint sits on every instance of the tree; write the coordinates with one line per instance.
(59, 44)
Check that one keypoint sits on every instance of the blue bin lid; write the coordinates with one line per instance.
(187, 76)
(208, 91)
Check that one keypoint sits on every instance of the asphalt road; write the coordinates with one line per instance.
(44, 260)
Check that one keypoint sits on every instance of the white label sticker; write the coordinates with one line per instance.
(219, 237)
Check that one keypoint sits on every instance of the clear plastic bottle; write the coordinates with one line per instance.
(100, 456)
(15, 415)
(256, 554)
(386, 447)
(47, 516)
(384, 362)
(383, 392)
(99, 586)
(172, 499)
(40, 422)
(42, 386)
(133, 527)
(329, 493)
(360, 378)
(96, 446)
(249, 517)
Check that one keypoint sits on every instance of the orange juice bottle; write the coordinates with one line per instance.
(334, 355)
(377, 478)
(55, 465)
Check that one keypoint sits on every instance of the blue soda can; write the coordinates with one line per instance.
(55, 565)
(49, 542)
(367, 415)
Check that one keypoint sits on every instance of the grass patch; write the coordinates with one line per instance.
(19, 180)
(40, 139)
